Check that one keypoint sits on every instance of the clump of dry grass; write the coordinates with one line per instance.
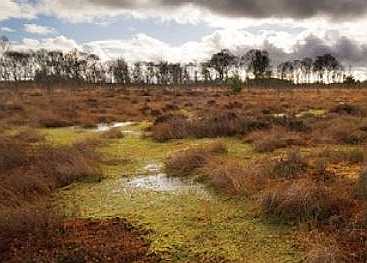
(348, 109)
(114, 133)
(301, 200)
(276, 138)
(215, 125)
(29, 171)
(340, 130)
(12, 153)
(291, 166)
(361, 187)
(232, 177)
(326, 254)
(352, 156)
(185, 162)
(36, 220)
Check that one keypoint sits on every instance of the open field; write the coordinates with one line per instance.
(183, 175)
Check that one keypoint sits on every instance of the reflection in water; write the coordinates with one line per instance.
(151, 178)
(106, 127)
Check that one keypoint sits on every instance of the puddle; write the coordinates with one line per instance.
(151, 178)
(103, 127)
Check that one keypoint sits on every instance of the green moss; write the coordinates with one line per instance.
(62, 136)
(185, 226)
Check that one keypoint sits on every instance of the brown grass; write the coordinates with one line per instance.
(30, 171)
(302, 200)
(114, 133)
(214, 125)
(185, 162)
(292, 165)
(276, 138)
(361, 187)
(232, 177)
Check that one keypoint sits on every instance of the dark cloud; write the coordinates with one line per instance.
(345, 49)
(336, 9)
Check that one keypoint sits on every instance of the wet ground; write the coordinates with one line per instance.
(187, 222)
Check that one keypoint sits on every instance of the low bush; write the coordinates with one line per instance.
(326, 254)
(215, 125)
(28, 172)
(348, 109)
(362, 184)
(232, 177)
(302, 200)
(352, 156)
(36, 222)
(185, 162)
(12, 153)
(291, 166)
(114, 133)
(342, 130)
(276, 138)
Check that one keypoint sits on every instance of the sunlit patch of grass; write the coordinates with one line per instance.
(64, 136)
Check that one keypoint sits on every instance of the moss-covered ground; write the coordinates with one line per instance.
(182, 226)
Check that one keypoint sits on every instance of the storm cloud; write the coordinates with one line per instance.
(335, 9)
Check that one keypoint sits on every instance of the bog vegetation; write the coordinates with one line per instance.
(306, 167)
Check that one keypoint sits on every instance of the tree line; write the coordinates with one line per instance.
(46, 65)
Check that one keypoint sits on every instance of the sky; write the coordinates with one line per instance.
(184, 31)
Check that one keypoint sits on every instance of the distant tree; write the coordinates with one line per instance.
(120, 71)
(175, 71)
(205, 71)
(4, 45)
(221, 62)
(137, 73)
(150, 73)
(327, 66)
(257, 61)
(163, 72)
(306, 64)
(286, 70)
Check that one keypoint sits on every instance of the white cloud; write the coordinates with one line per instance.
(142, 47)
(7, 29)
(60, 43)
(38, 29)
(15, 9)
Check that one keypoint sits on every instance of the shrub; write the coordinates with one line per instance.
(37, 221)
(185, 162)
(67, 164)
(12, 153)
(114, 133)
(216, 147)
(353, 156)
(362, 184)
(232, 177)
(300, 201)
(169, 127)
(292, 166)
(269, 141)
(348, 109)
(326, 254)
(54, 122)
(235, 83)
(342, 130)
(217, 124)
